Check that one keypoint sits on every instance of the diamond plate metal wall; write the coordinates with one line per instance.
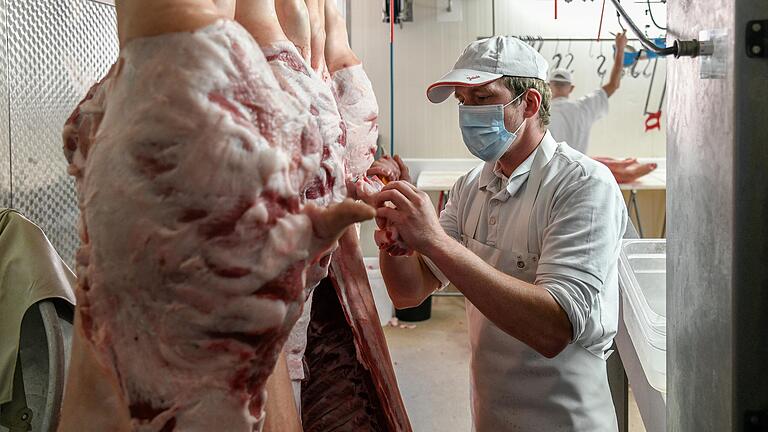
(57, 50)
(5, 143)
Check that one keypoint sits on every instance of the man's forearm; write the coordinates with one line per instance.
(615, 78)
(523, 310)
(408, 281)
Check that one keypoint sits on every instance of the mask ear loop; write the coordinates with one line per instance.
(520, 127)
(510, 103)
(513, 100)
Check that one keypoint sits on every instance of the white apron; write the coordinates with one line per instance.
(514, 388)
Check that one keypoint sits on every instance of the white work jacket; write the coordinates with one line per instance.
(571, 120)
(557, 222)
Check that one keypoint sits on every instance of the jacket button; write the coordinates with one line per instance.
(520, 264)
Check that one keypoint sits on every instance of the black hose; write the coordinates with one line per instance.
(650, 12)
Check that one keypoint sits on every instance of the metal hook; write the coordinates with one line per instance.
(541, 43)
(601, 71)
(568, 66)
(557, 58)
(646, 72)
(618, 18)
(632, 70)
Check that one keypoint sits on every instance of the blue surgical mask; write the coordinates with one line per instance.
(483, 130)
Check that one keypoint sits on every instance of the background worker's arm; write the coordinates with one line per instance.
(282, 415)
(618, 64)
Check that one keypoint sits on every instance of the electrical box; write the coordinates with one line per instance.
(403, 11)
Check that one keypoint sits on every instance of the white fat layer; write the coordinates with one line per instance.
(177, 198)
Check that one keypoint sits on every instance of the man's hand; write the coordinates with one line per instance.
(414, 215)
(390, 169)
(621, 41)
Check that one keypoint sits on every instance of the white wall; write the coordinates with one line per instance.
(425, 49)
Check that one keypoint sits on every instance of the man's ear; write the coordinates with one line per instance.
(533, 102)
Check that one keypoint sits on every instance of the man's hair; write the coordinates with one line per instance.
(519, 85)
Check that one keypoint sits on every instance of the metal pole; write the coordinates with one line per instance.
(493, 17)
(348, 10)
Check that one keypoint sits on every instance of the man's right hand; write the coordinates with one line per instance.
(621, 41)
(390, 169)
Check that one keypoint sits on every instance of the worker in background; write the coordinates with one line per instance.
(571, 120)
(530, 237)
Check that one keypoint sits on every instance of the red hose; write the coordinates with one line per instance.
(392, 21)
(600, 29)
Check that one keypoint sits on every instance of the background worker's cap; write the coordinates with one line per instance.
(487, 60)
(562, 76)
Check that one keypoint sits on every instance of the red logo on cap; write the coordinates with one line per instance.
(473, 77)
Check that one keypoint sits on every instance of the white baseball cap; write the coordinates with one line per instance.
(561, 75)
(487, 60)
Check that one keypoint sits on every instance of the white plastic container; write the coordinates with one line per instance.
(643, 275)
(384, 305)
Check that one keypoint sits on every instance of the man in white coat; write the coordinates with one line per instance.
(572, 119)
(531, 238)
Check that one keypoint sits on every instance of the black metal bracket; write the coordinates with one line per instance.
(757, 39)
(756, 421)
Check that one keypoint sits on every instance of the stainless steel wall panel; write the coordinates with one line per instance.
(57, 50)
(5, 139)
(700, 151)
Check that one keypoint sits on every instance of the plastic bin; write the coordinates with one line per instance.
(384, 305)
(643, 275)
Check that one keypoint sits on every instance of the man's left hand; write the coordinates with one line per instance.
(414, 215)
